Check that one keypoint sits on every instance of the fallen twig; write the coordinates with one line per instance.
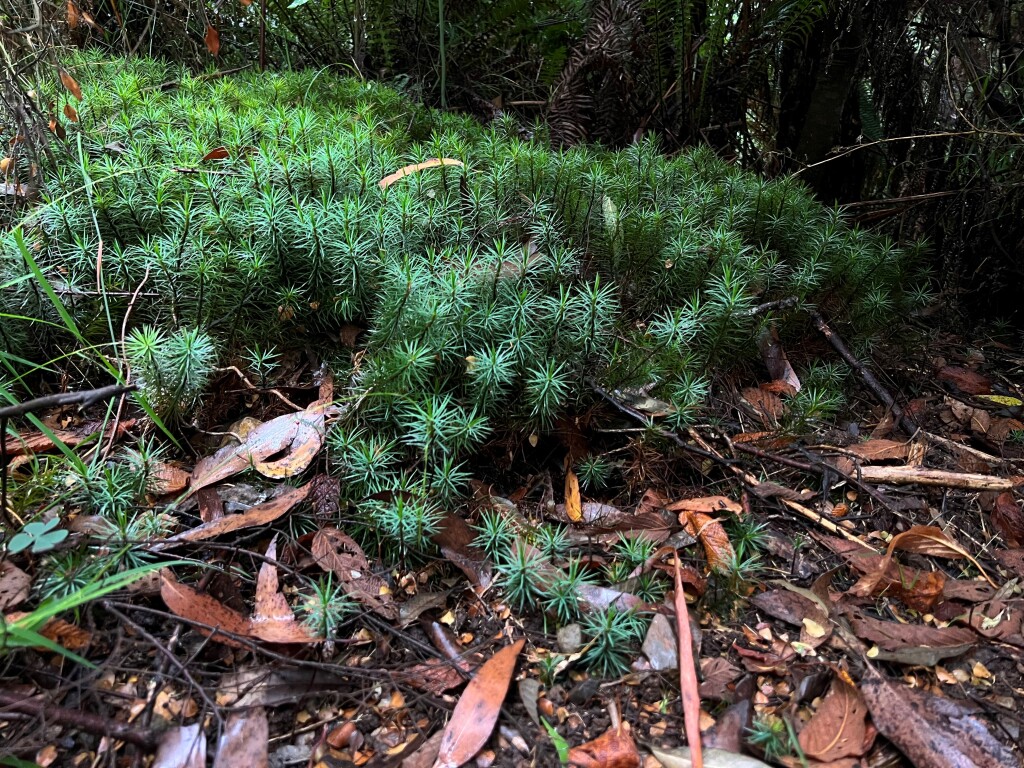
(935, 477)
(810, 514)
(84, 398)
(869, 378)
(78, 720)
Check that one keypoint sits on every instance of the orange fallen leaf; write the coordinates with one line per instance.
(58, 631)
(273, 619)
(204, 609)
(70, 113)
(477, 711)
(614, 748)
(573, 504)
(387, 181)
(710, 533)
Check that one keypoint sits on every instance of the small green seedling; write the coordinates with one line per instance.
(41, 537)
(561, 745)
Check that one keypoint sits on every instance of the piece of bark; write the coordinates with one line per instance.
(935, 477)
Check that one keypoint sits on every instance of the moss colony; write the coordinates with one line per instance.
(248, 209)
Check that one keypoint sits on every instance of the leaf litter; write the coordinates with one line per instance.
(866, 656)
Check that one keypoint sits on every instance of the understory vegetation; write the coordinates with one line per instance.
(199, 221)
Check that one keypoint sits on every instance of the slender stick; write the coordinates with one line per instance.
(83, 721)
(869, 378)
(83, 399)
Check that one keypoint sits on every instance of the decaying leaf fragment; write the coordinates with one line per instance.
(338, 553)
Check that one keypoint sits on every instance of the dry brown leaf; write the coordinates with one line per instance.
(573, 503)
(261, 514)
(273, 619)
(967, 381)
(916, 644)
(477, 712)
(1008, 520)
(706, 504)
(36, 442)
(767, 406)
(710, 533)
(433, 676)
(74, 18)
(70, 113)
(839, 727)
(387, 181)
(195, 606)
(880, 450)
(212, 40)
(166, 479)
(775, 360)
(70, 84)
(298, 435)
(15, 585)
(338, 553)
(303, 447)
(455, 540)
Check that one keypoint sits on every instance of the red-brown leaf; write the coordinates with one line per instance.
(712, 535)
(338, 553)
(204, 609)
(477, 711)
(688, 685)
(220, 153)
(273, 619)
(71, 84)
(212, 40)
(70, 113)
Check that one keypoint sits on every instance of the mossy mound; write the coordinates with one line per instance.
(249, 207)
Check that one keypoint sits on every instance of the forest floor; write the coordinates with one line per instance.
(880, 623)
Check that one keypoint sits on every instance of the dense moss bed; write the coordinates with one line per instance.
(247, 212)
